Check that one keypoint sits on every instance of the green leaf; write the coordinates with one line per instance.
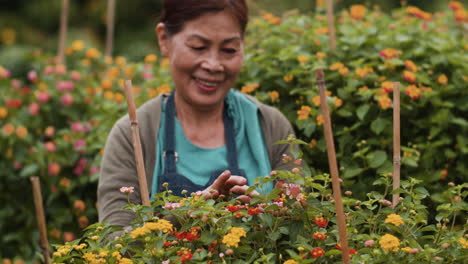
(29, 170)
(376, 158)
(378, 125)
(362, 111)
(352, 172)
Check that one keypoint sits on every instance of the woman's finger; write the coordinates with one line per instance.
(235, 180)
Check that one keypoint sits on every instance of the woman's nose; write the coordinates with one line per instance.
(212, 63)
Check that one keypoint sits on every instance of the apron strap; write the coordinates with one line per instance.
(170, 155)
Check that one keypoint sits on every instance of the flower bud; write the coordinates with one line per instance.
(348, 193)
(451, 184)
(369, 243)
(184, 192)
(165, 185)
(446, 245)
(414, 251)
(229, 251)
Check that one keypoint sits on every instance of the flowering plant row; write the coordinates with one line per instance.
(54, 119)
(295, 223)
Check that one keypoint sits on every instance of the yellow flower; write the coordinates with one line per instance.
(406, 249)
(92, 53)
(125, 261)
(316, 100)
(120, 61)
(150, 58)
(363, 89)
(109, 95)
(274, 96)
(358, 11)
(304, 112)
(164, 89)
(162, 225)
(288, 78)
(336, 66)
(320, 55)
(232, 238)
(389, 243)
(291, 261)
(21, 132)
(249, 88)
(77, 45)
(3, 112)
(140, 231)
(362, 72)
(442, 79)
(106, 84)
(165, 63)
(384, 101)
(313, 143)
(463, 242)
(394, 219)
(319, 120)
(338, 102)
(113, 73)
(302, 59)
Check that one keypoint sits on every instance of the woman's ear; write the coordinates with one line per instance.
(163, 39)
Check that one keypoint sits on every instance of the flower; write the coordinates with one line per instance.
(291, 261)
(320, 221)
(319, 120)
(127, 190)
(336, 66)
(344, 71)
(249, 88)
(413, 92)
(232, 238)
(32, 76)
(233, 208)
(389, 53)
(161, 224)
(79, 206)
(389, 243)
(317, 252)
(461, 15)
(67, 99)
(387, 86)
(21, 131)
(43, 97)
(288, 78)
(320, 55)
(455, 5)
(411, 66)
(65, 86)
(254, 211)
(4, 73)
(442, 79)
(34, 109)
(394, 219)
(409, 76)
(92, 53)
(369, 243)
(77, 45)
(418, 13)
(274, 96)
(316, 100)
(185, 255)
(362, 72)
(319, 235)
(302, 59)
(358, 11)
(49, 146)
(14, 103)
(3, 112)
(384, 101)
(304, 112)
(79, 145)
(463, 242)
(54, 168)
(150, 58)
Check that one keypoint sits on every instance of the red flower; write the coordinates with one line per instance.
(233, 208)
(185, 255)
(14, 103)
(238, 215)
(320, 221)
(409, 76)
(167, 243)
(254, 211)
(317, 252)
(352, 251)
(319, 235)
(189, 235)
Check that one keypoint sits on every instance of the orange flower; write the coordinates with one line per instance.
(8, 129)
(65, 182)
(442, 79)
(389, 53)
(409, 76)
(411, 66)
(319, 120)
(317, 252)
(150, 58)
(302, 59)
(338, 102)
(321, 31)
(363, 89)
(21, 132)
(320, 55)
(387, 87)
(79, 206)
(418, 13)
(3, 112)
(336, 66)
(249, 88)
(461, 15)
(287, 78)
(455, 5)
(77, 45)
(106, 84)
(413, 92)
(274, 96)
(362, 72)
(384, 101)
(120, 61)
(83, 221)
(119, 98)
(319, 235)
(316, 100)
(304, 112)
(358, 11)
(344, 71)
(93, 53)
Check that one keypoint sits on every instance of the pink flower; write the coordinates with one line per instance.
(77, 127)
(49, 70)
(50, 146)
(169, 205)
(54, 169)
(414, 251)
(49, 131)
(32, 76)
(127, 190)
(75, 75)
(80, 145)
(17, 165)
(80, 166)
(147, 76)
(94, 170)
(43, 97)
(4, 73)
(67, 99)
(369, 243)
(34, 109)
(65, 86)
(15, 84)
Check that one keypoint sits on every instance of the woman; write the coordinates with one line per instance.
(204, 136)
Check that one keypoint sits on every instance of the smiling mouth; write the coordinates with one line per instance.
(206, 85)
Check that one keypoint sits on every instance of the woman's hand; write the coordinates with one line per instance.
(226, 184)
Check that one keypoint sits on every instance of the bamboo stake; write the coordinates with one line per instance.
(137, 144)
(396, 142)
(110, 27)
(40, 218)
(333, 166)
(331, 25)
(63, 32)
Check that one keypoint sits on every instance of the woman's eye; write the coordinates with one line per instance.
(198, 48)
(230, 51)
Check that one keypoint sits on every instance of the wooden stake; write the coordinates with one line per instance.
(333, 166)
(110, 27)
(396, 141)
(137, 144)
(63, 32)
(331, 25)
(40, 218)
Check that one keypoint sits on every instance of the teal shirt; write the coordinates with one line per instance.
(197, 163)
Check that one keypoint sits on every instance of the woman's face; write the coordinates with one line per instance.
(205, 58)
